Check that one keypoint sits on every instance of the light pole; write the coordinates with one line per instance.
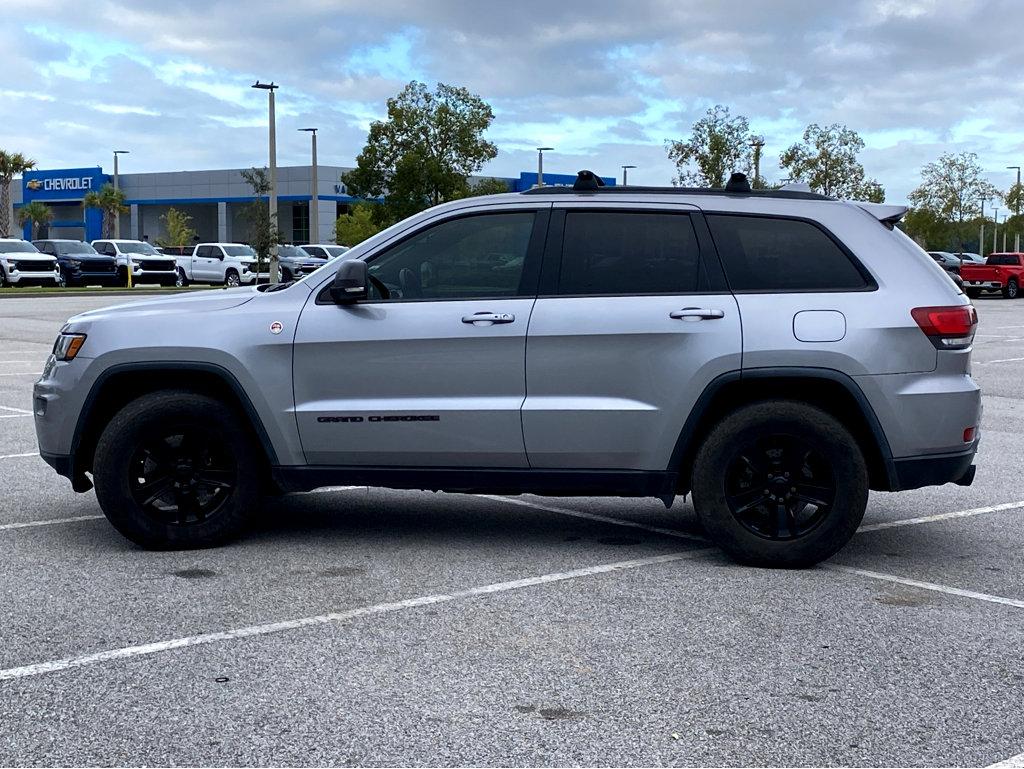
(625, 177)
(757, 143)
(995, 228)
(270, 88)
(1016, 207)
(981, 236)
(117, 186)
(314, 203)
(540, 164)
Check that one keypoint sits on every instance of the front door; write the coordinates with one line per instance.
(430, 371)
(632, 323)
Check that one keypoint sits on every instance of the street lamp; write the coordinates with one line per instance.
(1016, 207)
(995, 228)
(270, 88)
(314, 203)
(625, 172)
(117, 186)
(757, 143)
(540, 164)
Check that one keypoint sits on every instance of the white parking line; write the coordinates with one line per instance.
(926, 585)
(16, 411)
(1001, 360)
(1014, 762)
(941, 517)
(21, 373)
(13, 416)
(335, 617)
(4, 362)
(48, 522)
(19, 456)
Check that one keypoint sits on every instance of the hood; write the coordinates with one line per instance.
(212, 300)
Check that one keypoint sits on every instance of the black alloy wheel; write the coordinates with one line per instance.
(182, 477)
(778, 487)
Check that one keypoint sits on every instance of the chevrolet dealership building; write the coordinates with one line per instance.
(215, 200)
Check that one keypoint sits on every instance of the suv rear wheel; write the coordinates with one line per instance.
(780, 483)
(174, 470)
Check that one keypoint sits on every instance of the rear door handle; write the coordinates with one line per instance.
(489, 317)
(696, 313)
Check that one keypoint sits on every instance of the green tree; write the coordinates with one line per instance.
(424, 152)
(179, 229)
(356, 226)
(719, 144)
(930, 230)
(108, 200)
(952, 188)
(263, 231)
(36, 212)
(11, 164)
(826, 159)
(489, 185)
(1014, 198)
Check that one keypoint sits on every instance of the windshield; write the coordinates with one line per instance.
(336, 250)
(75, 248)
(17, 247)
(293, 252)
(137, 248)
(239, 251)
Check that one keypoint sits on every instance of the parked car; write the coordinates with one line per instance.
(774, 353)
(148, 264)
(21, 264)
(229, 264)
(950, 263)
(968, 256)
(325, 251)
(176, 250)
(296, 262)
(80, 264)
(1001, 272)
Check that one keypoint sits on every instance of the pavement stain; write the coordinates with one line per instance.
(904, 600)
(551, 714)
(343, 571)
(194, 573)
(619, 541)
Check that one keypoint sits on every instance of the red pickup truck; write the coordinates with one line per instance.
(1000, 272)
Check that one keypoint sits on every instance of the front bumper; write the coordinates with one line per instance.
(49, 276)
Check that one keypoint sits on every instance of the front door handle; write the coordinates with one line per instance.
(489, 317)
(696, 313)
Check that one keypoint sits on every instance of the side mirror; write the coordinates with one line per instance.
(351, 282)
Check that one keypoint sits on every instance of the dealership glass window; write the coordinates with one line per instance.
(300, 222)
(474, 256)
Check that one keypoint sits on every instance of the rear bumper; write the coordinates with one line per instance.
(984, 285)
(935, 470)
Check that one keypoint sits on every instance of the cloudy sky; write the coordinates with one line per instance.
(605, 83)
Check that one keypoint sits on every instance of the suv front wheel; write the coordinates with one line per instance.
(780, 483)
(174, 470)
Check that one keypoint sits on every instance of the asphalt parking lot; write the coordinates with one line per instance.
(381, 627)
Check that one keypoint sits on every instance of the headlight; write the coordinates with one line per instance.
(67, 346)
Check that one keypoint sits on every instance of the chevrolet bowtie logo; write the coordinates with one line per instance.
(34, 184)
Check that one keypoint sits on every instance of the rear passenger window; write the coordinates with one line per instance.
(613, 252)
(767, 254)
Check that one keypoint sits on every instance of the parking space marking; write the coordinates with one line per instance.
(48, 522)
(1014, 762)
(1015, 603)
(1001, 360)
(21, 373)
(15, 410)
(18, 456)
(595, 517)
(128, 652)
(941, 516)
(13, 416)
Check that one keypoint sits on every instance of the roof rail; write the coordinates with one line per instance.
(738, 186)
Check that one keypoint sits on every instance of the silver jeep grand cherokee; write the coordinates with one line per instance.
(776, 354)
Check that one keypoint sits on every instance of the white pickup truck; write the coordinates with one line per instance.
(229, 264)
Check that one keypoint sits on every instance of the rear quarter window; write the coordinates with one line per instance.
(762, 253)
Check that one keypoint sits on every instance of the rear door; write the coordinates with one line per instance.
(632, 322)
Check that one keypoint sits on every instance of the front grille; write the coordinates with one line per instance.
(31, 265)
(96, 267)
(155, 266)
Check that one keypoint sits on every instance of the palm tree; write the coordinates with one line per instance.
(36, 212)
(111, 202)
(11, 164)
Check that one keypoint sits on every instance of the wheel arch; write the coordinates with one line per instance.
(119, 384)
(832, 391)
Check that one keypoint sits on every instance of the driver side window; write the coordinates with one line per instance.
(479, 256)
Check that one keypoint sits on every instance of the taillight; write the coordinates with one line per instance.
(949, 328)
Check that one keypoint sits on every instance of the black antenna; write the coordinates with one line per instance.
(587, 181)
(737, 183)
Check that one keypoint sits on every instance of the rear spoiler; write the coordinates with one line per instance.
(887, 215)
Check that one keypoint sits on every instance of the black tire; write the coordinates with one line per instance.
(973, 293)
(4, 283)
(1012, 290)
(780, 529)
(181, 281)
(231, 279)
(192, 453)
